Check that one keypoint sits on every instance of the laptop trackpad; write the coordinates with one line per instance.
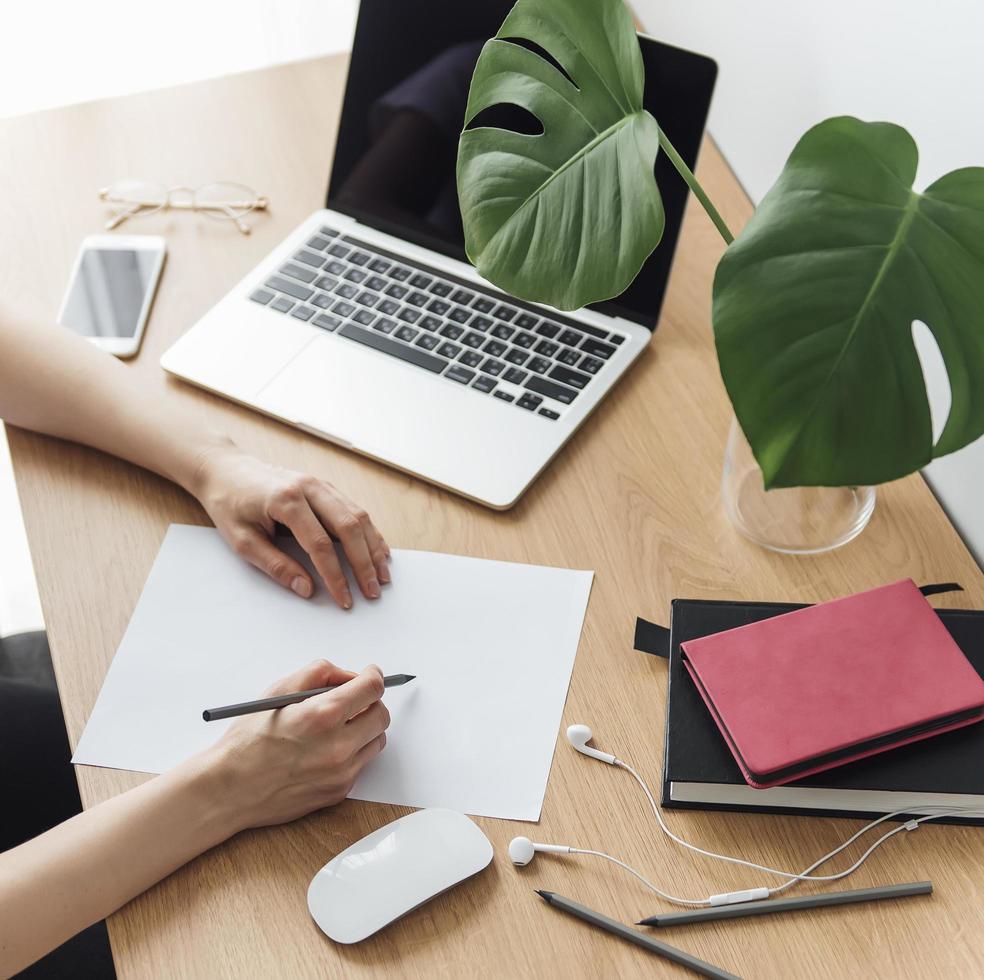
(371, 401)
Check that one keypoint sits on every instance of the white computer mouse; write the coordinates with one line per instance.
(393, 870)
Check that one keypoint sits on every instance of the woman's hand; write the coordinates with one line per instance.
(276, 766)
(246, 498)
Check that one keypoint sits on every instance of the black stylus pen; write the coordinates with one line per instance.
(282, 700)
(640, 939)
(767, 907)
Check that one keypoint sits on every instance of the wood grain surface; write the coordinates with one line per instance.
(635, 496)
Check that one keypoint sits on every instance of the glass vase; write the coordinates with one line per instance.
(794, 520)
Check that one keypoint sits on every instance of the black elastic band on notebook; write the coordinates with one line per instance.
(937, 587)
(650, 638)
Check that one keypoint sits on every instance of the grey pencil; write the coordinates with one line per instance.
(640, 939)
(788, 904)
(282, 700)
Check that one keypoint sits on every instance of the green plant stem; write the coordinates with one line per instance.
(686, 173)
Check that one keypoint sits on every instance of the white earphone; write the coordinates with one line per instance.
(522, 850)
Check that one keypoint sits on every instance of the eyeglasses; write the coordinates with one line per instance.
(222, 201)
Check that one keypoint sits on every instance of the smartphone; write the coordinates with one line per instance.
(111, 290)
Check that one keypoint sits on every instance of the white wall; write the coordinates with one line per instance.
(53, 52)
(785, 65)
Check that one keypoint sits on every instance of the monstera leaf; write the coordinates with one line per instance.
(568, 216)
(815, 301)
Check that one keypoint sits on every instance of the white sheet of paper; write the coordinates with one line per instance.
(492, 644)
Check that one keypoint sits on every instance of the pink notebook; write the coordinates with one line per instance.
(816, 688)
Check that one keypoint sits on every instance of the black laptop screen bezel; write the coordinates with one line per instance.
(679, 87)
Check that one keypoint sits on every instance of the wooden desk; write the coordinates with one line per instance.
(634, 496)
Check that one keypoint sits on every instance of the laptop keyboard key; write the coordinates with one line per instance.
(408, 314)
(359, 258)
(384, 326)
(539, 364)
(591, 364)
(339, 250)
(355, 275)
(301, 272)
(388, 307)
(516, 356)
(303, 312)
(281, 304)
(439, 306)
(379, 265)
(495, 368)
(558, 392)
(261, 296)
(322, 300)
(406, 333)
(526, 321)
(472, 339)
(503, 332)
(451, 331)
(524, 340)
(428, 341)
(326, 282)
(430, 322)
(597, 349)
(480, 323)
(326, 321)
(549, 413)
(548, 329)
(346, 290)
(546, 347)
(294, 289)
(335, 267)
(495, 348)
(504, 395)
(462, 296)
(483, 304)
(365, 317)
(568, 377)
(570, 338)
(568, 357)
(449, 350)
(318, 243)
(470, 358)
(401, 273)
(460, 315)
(389, 346)
(459, 374)
(420, 281)
(365, 298)
(397, 291)
(515, 376)
(417, 299)
(343, 308)
(504, 313)
(376, 283)
(327, 232)
(529, 402)
(483, 383)
(441, 288)
(310, 258)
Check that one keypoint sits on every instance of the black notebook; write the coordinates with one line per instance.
(699, 771)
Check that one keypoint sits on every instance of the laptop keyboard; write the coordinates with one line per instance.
(468, 335)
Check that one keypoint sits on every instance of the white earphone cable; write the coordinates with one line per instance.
(804, 875)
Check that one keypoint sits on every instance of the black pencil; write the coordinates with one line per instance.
(617, 928)
(282, 700)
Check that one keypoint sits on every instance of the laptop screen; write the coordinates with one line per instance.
(411, 66)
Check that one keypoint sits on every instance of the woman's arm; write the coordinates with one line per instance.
(55, 382)
(267, 769)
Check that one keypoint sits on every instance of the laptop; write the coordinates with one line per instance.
(368, 327)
